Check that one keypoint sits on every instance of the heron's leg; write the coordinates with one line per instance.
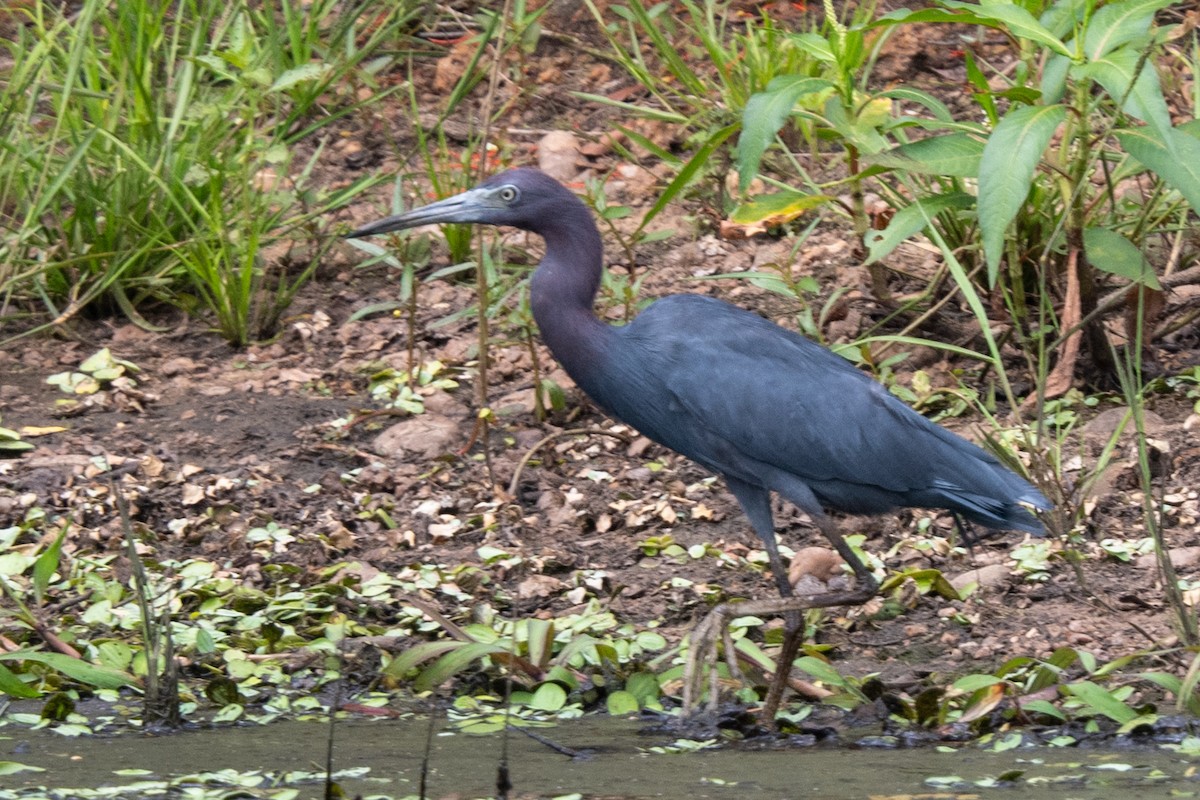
(702, 654)
(865, 587)
(756, 503)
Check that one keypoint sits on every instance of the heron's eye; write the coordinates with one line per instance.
(509, 193)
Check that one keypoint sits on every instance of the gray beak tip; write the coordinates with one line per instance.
(372, 228)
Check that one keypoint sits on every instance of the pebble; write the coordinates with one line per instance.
(424, 436)
(989, 577)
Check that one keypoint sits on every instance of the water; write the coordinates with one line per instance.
(384, 759)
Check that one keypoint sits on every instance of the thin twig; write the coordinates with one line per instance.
(555, 746)
(503, 778)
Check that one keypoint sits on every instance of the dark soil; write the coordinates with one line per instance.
(217, 441)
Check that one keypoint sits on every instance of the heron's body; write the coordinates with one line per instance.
(775, 411)
(764, 407)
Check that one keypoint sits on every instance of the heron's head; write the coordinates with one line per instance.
(522, 198)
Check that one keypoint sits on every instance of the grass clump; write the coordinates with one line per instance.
(155, 153)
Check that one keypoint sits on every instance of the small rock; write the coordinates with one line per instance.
(1181, 557)
(1099, 430)
(639, 474)
(989, 577)
(808, 585)
(538, 586)
(515, 403)
(175, 366)
(638, 447)
(558, 153)
(423, 436)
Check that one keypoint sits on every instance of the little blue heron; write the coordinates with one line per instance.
(766, 408)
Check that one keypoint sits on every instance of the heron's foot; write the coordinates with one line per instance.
(714, 629)
(702, 659)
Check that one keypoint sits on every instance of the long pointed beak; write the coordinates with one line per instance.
(464, 207)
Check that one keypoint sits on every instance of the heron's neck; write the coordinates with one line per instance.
(562, 293)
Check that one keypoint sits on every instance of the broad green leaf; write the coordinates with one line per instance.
(541, 640)
(1043, 707)
(481, 633)
(416, 655)
(982, 86)
(489, 554)
(860, 131)
(1013, 665)
(13, 686)
(973, 683)
(820, 670)
(651, 640)
(1117, 665)
(13, 767)
(935, 107)
(1111, 252)
(101, 359)
(10, 441)
(932, 580)
(1163, 680)
(241, 43)
(230, 713)
(1101, 701)
(1010, 159)
(455, 662)
(1117, 24)
(1054, 78)
(46, 564)
(1137, 722)
(485, 727)
(1062, 17)
(763, 211)
(115, 654)
(300, 74)
(1003, 16)
(765, 113)
(815, 45)
(1178, 164)
(770, 281)
(563, 677)
(75, 668)
(74, 382)
(953, 154)
(1174, 685)
(621, 704)
(1014, 19)
(909, 220)
(549, 697)
(1138, 91)
(1191, 128)
(643, 685)
(749, 649)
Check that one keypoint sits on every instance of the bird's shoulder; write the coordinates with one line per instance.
(686, 326)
